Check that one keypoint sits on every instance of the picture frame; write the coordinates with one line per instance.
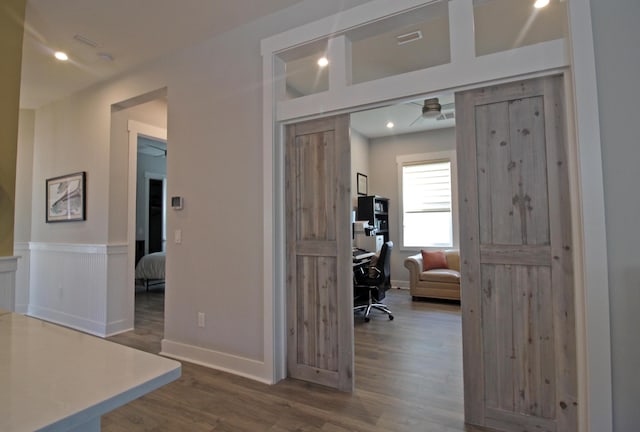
(66, 198)
(362, 184)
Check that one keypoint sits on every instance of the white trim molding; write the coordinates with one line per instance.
(80, 286)
(245, 367)
(8, 267)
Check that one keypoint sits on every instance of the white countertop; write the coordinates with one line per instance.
(53, 378)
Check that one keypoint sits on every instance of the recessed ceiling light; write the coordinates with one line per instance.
(61, 56)
(390, 125)
(539, 4)
(323, 61)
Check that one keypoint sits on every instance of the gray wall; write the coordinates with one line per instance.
(384, 180)
(617, 42)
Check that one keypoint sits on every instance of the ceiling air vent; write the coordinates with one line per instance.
(409, 37)
(85, 40)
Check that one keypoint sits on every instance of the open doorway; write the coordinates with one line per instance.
(151, 209)
(421, 349)
(139, 127)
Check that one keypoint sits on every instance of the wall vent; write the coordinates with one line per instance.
(409, 37)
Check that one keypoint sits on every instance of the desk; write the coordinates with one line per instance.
(56, 379)
(361, 254)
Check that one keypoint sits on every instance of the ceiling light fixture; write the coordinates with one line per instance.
(539, 4)
(323, 62)
(61, 56)
(390, 125)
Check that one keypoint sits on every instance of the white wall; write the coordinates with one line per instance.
(24, 177)
(359, 162)
(384, 180)
(214, 93)
(616, 42)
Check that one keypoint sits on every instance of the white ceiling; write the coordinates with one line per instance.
(132, 32)
(405, 116)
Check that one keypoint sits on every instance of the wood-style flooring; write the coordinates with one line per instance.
(408, 379)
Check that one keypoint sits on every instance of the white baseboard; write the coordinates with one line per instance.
(75, 322)
(117, 327)
(400, 284)
(236, 365)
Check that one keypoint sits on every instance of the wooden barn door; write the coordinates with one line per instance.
(516, 252)
(319, 272)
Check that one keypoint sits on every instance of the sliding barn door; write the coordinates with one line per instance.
(516, 252)
(319, 271)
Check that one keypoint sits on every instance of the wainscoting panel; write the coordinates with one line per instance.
(120, 291)
(8, 266)
(21, 250)
(69, 285)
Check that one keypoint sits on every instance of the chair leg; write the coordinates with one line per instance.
(371, 305)
(383, 308)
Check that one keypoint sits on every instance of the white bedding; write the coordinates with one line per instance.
(151, 266)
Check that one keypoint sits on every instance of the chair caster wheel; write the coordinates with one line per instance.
(367, 319)
(390, 317)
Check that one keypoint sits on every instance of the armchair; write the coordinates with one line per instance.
(435, 283)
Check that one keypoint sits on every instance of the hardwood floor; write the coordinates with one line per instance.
(408, 379)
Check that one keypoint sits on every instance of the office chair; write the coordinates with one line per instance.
(372, 283)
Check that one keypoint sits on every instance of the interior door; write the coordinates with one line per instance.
(516, 252)
(319, 270)
(156, 215)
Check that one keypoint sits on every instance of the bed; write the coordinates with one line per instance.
(150, 269)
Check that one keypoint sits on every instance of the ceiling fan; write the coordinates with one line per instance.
(431, 109)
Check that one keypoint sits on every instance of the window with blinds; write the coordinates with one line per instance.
(427, 206)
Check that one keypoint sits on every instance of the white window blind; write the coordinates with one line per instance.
(427, 204)
(427, 187)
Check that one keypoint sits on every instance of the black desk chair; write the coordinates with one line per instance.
(371, 283)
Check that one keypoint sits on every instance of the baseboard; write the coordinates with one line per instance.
(118, 327)
(236, 365)
(400, 284)
(75, 322)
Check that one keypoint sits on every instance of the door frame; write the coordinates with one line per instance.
(135, 129)
(592, 294)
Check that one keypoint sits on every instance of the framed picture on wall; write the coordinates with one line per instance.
(65, 198)
(361, 181)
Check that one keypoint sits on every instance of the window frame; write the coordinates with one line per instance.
(429, 157)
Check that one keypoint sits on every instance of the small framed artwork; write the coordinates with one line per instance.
(362, 184)
(66, 199)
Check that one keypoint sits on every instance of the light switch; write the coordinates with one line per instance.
(177, 236)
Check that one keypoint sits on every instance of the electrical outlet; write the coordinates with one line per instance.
(200, 319)
(177, 236)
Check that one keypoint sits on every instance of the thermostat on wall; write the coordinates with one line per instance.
(176, 202)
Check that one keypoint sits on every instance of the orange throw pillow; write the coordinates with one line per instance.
(433, 260)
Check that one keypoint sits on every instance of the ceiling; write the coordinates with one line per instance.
(118, 35)
(406, 118)
(105, 38)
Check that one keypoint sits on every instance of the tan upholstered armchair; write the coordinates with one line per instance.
(435, 283)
